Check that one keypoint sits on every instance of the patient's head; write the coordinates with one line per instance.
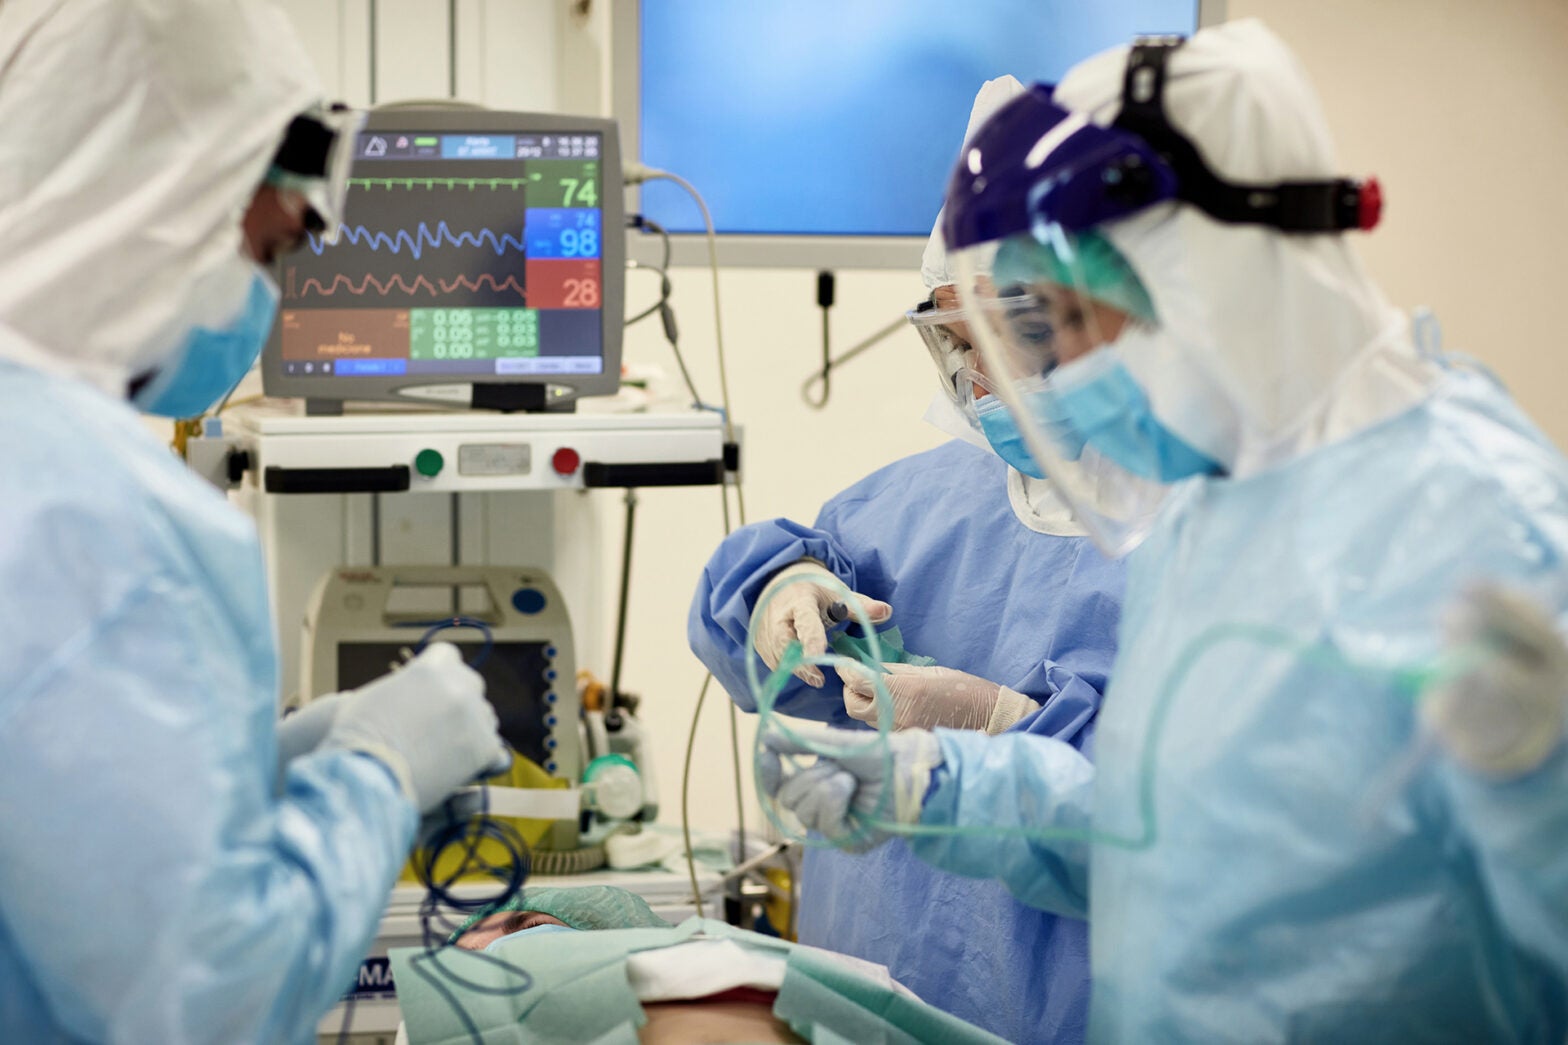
(585, 907)
(491, 928)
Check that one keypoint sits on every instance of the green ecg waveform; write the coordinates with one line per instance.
(432, 183)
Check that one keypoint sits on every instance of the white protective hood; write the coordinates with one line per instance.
(1035, 502)
(132, 136)
(1270, 344)
(993, 94)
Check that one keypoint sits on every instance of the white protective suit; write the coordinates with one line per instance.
(159, 883)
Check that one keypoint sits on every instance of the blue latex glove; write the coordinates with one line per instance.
(428, 722)
(830, 796)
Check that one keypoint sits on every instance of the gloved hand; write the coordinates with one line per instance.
(932, 697)
(428, 722)
(831, 796)
(797, 613)
(1505, 714)
(302, 731)
(458, 809)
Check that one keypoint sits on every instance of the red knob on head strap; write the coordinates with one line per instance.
(1370, 211)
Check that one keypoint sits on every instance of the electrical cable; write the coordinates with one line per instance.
(638, 221)
(612, 718)
(740, 796)
(639, 173)
(691, 746)
(663, 307)
(664, 291)
(635, 174)
(462, 831)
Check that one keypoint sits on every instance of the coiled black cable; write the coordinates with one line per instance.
(462, 828)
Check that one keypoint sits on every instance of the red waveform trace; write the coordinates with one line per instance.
(387, 286)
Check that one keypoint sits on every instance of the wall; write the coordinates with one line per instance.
(1461, 109)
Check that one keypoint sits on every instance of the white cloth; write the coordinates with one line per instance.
(699, 968)
(136, 132)
(1236, 300)
(992, 96)
(1040, 506)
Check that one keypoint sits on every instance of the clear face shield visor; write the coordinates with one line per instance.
(1051, 313)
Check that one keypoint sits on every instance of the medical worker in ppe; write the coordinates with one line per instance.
(986, 571)
(1278, 853)
(165, 879)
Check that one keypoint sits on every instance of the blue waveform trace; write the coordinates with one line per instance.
(421, 237)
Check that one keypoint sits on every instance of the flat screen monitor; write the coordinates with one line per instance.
(517, 679)
(481, 263)
(822, 133)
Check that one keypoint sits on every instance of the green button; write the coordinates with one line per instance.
(429, 463)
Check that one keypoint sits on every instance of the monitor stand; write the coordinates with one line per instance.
(503, 398)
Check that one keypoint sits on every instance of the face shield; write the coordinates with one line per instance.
(1052, 325)
(1061, 321)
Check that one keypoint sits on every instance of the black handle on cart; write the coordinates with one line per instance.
(391, 479)
(674, 473)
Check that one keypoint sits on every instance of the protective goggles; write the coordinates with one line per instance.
(946, 336)
(314, 160)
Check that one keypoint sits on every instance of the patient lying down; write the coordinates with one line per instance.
(583, 963)
(737, 1014)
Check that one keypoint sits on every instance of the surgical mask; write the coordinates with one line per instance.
(1098, 401)
(533, 930)
(213, 358)
(1001, 431)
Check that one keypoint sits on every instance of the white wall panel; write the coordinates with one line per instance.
(412, 50)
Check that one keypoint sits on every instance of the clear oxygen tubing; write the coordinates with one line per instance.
(1411, 681)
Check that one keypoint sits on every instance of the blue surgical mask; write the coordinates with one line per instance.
(1109, 411)
(212, 360)
(1001, 431)
(535, 930)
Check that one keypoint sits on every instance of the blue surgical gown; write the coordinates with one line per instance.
(155, 885)
(1311, 879)
(935, 536)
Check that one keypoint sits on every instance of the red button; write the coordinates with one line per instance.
(565, 461)
(1371, 210)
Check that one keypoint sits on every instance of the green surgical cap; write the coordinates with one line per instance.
(1102, 272)
(582, 907)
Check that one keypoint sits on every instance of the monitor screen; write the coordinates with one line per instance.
(468, 255)
(820, 118)
(515, 684)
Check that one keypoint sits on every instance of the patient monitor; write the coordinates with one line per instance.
(481, 264)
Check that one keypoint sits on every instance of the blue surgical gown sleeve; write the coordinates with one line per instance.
(997, 785)
(969, 585)
(1517, 828)
(721, 611)
(156, 886)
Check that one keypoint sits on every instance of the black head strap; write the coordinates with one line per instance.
(1290, 206)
